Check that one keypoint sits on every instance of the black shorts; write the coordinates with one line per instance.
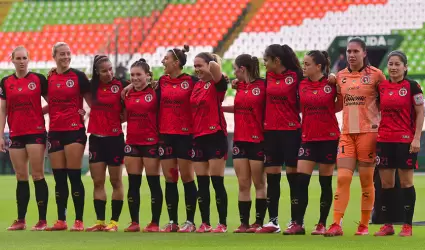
(395, 155)
(248, 150)
(57, 140)
(147, 151)
(281, 147)
(208, 147)
(175, 146)
(19, 142)
(108, 149)
(323, 152)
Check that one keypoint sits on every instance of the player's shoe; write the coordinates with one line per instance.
(334, 230)
(17, 225)
(253, 228)
(294, 229)
(385, 230)
(187, 227)
(406, 230)
(268, 228)
(77, 227)
(362, 230)
(221, 228)
(98, 227)
(134, 227)
(60, 225)
(151, 228)
(111, 227)
(204, 228)
(171, 227)
(320, 229)
(40, 226)
(241, 229)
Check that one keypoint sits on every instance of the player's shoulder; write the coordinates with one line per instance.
(38, 75)
(343, 73)
(78, 72)
(413, 84)
(4, 79)
(373, 70)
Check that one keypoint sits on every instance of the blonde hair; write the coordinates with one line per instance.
(20, 47)
(56, 46)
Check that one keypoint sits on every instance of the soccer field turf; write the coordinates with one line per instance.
(121, 240)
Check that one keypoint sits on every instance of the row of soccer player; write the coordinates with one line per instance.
(187, 113)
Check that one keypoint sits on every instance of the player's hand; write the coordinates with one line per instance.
(332, 78)
(126, 90)
(226, 77)
(51, 71)
(235, 84)
(2, 145)
(415, 146)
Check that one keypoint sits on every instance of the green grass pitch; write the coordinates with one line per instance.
(228, 241)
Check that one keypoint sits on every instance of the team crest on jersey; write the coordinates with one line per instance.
(70, 83)
(402, 92)
(161, 151)
(300, 152)
(327, 89)
(235, 150)
(148, 98)
(184, 85)
(366, 79)
(207, 85)
(127, 149)
(256, 91)
(115, 89)
(31, 86)
(289, 80)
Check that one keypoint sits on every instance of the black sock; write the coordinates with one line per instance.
(220, 198)
(204, 198)
(260, 211)
(293, 193)
(190, 194)
(116, 209)
(409, 197)
(42, 197)
(386, 208)
(77, 192)
(273, 196)
(133, 196)
(156, 197)
(172, 200)
(244, 210)
(22, 198)
(99, 208)
(61, 192)
(326, 197)
(301, 205)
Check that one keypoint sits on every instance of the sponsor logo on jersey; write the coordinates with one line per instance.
(344, 80)
(70, 83)
(31, 86)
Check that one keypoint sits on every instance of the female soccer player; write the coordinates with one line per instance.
(282, 135)
(210, 142)
(248, 152)
(67, 87)
(320, 133)
(141, 149)
(357, 86)
(399, 135)
(106, 141)
(21, 103)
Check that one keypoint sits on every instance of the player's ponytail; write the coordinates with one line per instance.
(327, 68)
(286, 55)
(251, 63)
(180, 55)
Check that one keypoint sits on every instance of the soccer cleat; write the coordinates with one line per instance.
(221, 228)
(362, 230)
(134, 227)
(98, 227)
(40, 226)
(241, 229)
(60, 225)
(77, 227)
(253, 228)
(334, 230)
(111, 227)
(171, 227)
(268, 228)
(406, 230)
(151, 228)
(204, 228)
(385, 230)
(17, 225)
(294, 229)
(187, 227)
(319, 230)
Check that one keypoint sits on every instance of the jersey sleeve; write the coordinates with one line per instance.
(3, 89)
(221, 86)
(43, 83)
(416, 91)
(83, 82)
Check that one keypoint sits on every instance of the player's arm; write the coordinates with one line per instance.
(44, 85)
(339, 100)
(228, 109)
(418, 101)
(215, 71)
(3, 112)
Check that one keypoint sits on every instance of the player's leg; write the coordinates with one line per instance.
(259, 179)
(134, 167)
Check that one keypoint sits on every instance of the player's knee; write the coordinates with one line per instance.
(37, 175)
(98, 183)
(244, 185)
(406, 183)
(259, 184)
(116, 183)
(387, 183)
(186, 177)
(21, 175)
(344, 180)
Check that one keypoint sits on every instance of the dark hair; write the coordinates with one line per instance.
(400, 55)
(251, 63)
(286, 55)
(95, 80)
(362, 44)
(180, 55)
(322, 58)
(208, 57)
(144, 65)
